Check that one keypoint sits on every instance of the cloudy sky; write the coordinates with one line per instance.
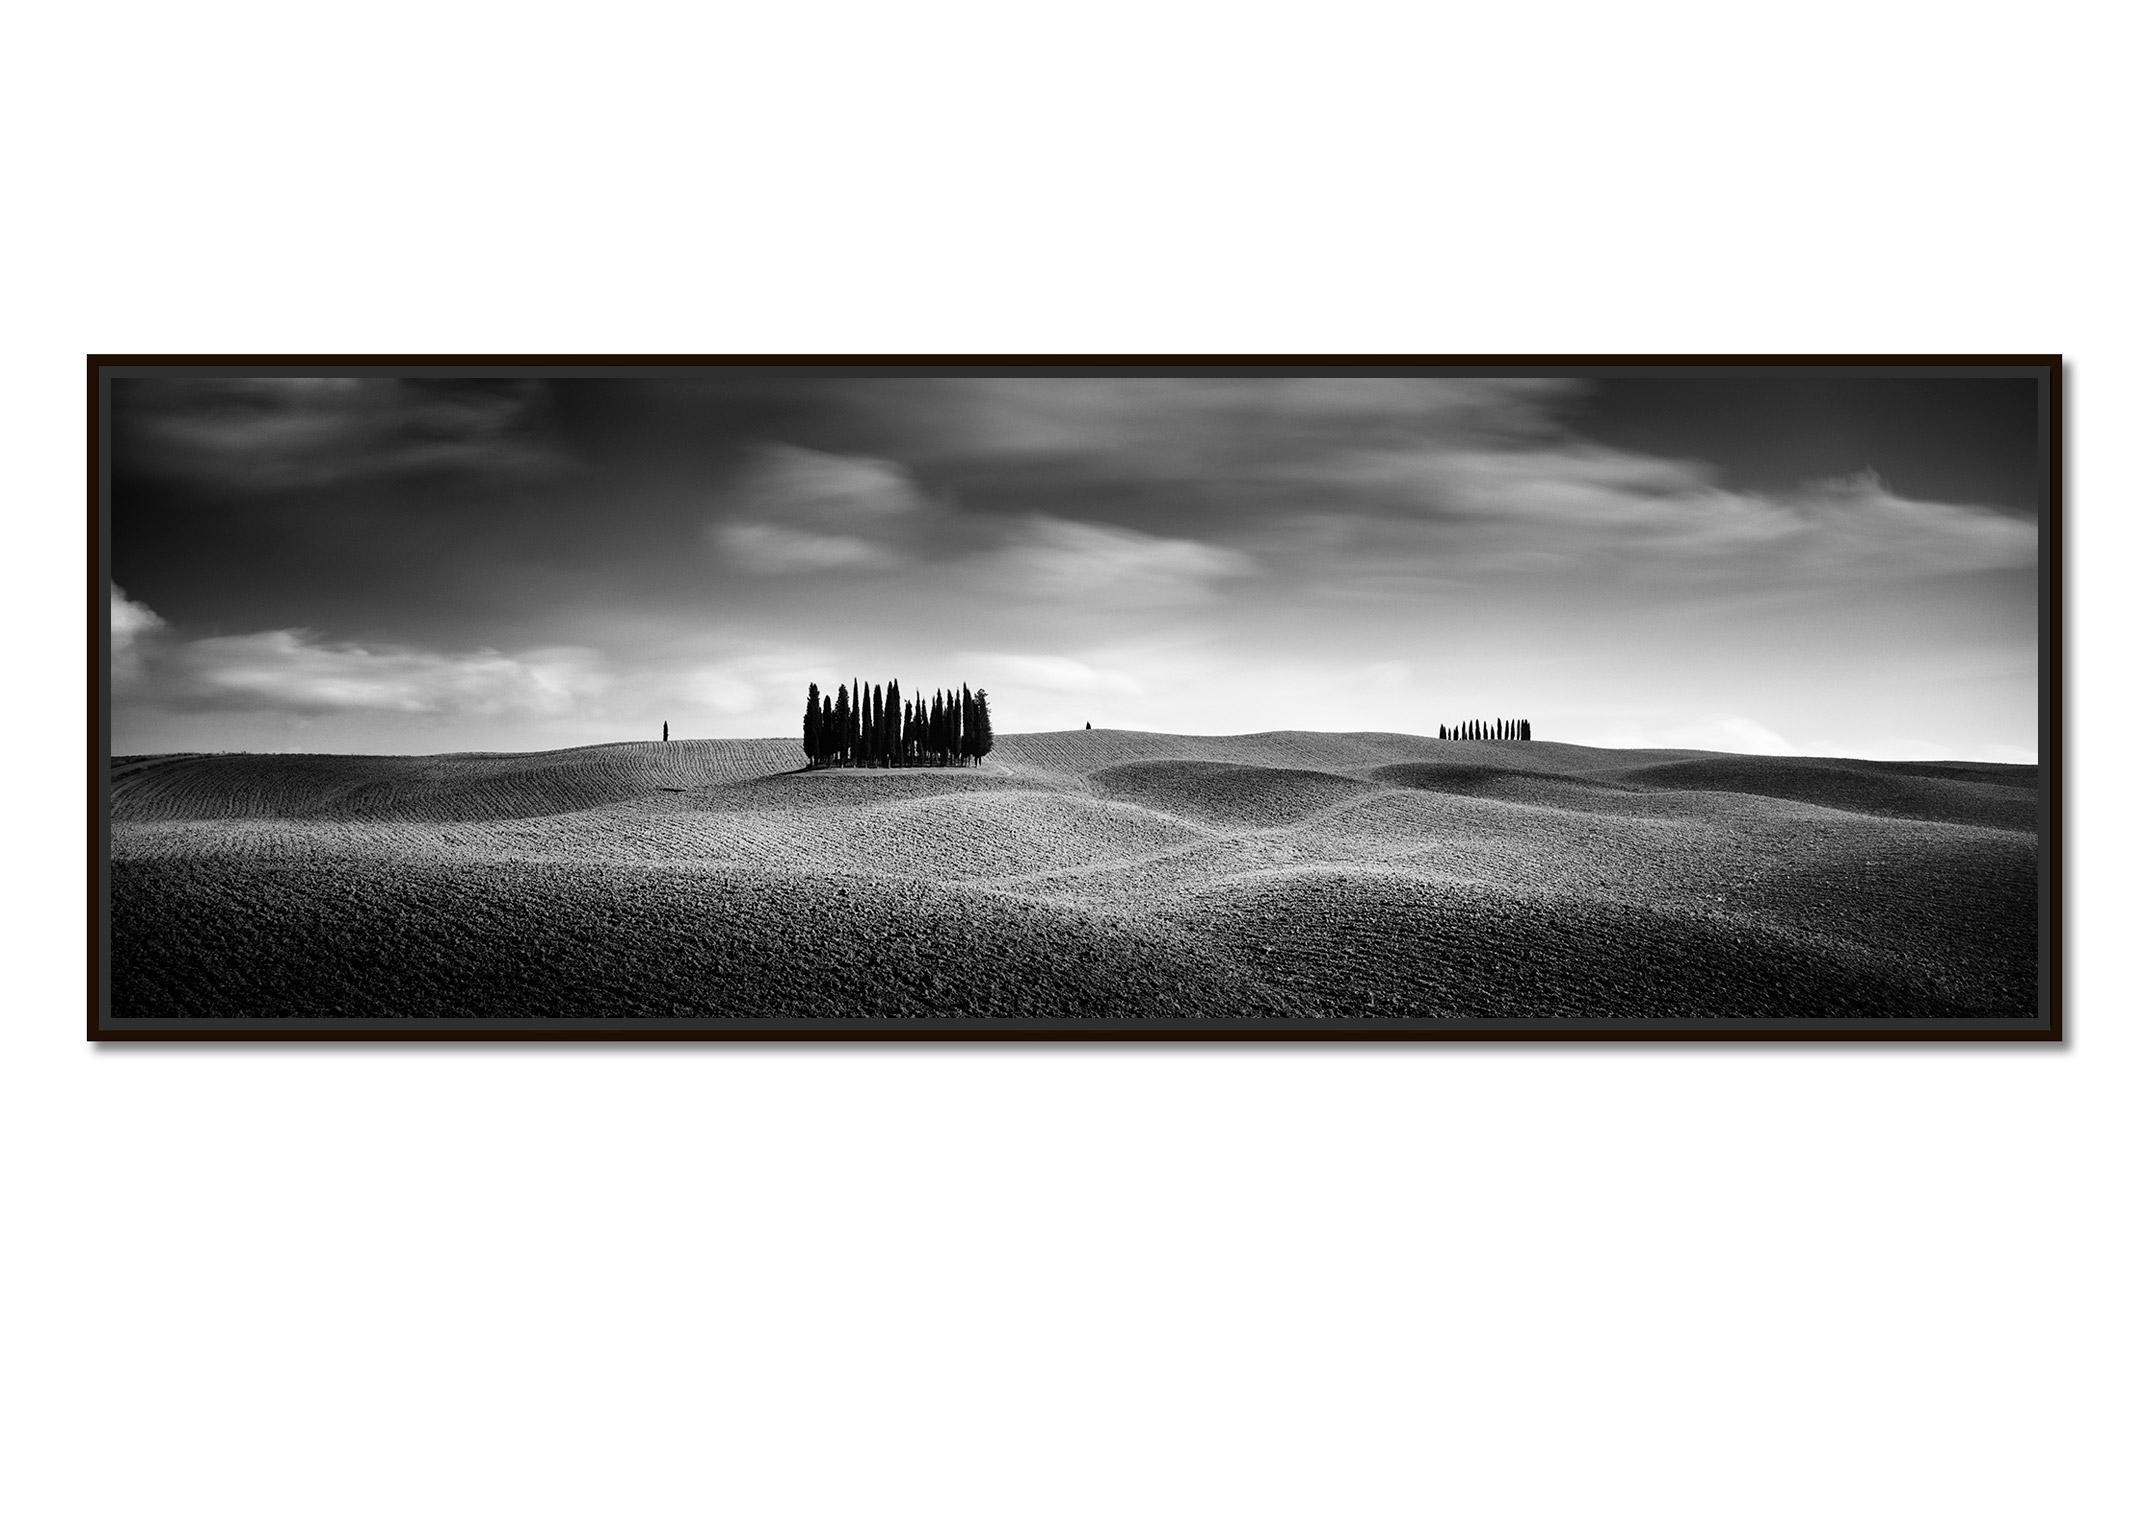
(1837, 566)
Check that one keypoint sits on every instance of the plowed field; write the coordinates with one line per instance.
(1076, 875)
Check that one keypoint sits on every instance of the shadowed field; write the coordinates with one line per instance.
(1099, 874)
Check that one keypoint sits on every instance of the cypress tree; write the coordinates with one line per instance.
(837, 740)
(813, 723)
(984, 726)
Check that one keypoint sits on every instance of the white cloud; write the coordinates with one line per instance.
(1741, 734)
(132, 624)
(1902, 749)
(769, 549)
(785, 483)
(1201, 427)
(720, 690)
(292, 670)
(800, 510)
(1047, 674)
(1544, 506)
(1720, 733)
(130, 619)
(1061, 560)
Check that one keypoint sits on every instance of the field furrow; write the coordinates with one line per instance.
(1078, 874)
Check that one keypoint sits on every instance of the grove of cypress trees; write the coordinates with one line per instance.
(878, 726)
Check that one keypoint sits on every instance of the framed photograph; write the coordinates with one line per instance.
(1014, 698)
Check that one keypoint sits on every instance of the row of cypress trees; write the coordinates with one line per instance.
(1514, 729)
(877, 728)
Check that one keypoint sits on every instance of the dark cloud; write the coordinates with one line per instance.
(260, 436)
(1228, 553)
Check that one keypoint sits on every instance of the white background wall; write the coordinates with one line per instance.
(1038, 1292)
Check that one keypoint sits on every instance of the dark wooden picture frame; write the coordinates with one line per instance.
(2044, 371)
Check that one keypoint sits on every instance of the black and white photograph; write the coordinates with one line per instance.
(1141, 770)
(1067, 696)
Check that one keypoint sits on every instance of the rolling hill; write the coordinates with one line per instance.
(1081, 875)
